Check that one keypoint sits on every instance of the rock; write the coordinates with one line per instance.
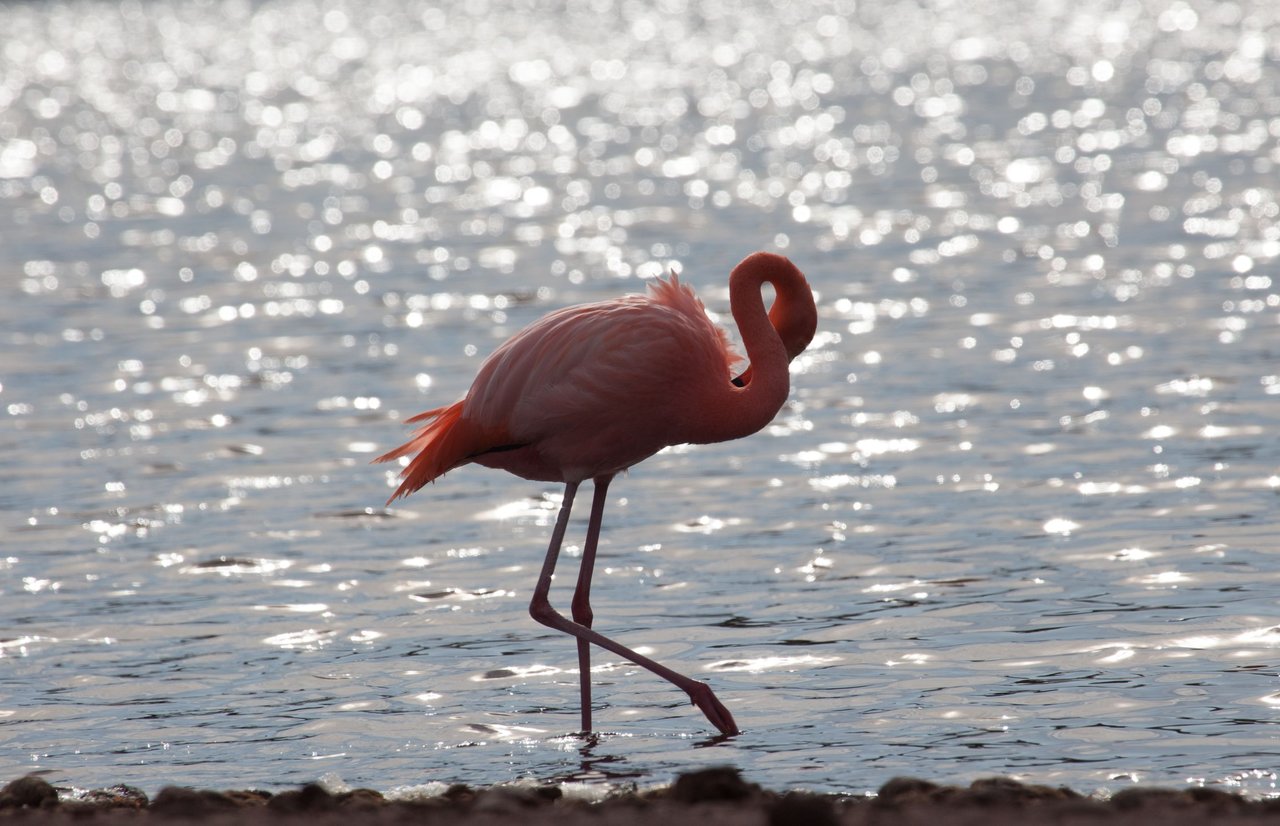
(311, 798)
(1005, 791)
(902, 790)
(28, 792)
(803, 809)
(179, 801)
(119, 796)
(361, 799)
(509, 800)
(723, 783)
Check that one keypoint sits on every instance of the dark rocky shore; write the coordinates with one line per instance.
(707, 798)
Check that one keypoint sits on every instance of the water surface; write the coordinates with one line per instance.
(1017, 518)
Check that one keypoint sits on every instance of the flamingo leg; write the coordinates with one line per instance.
(540, 609)
(582, 594)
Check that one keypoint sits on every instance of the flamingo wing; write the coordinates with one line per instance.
(583, 392)
(596, 388)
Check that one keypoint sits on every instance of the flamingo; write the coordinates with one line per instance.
(590, 390)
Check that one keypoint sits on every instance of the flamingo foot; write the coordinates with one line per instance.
(705, 699)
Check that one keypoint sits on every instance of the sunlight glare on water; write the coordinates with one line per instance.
(1015, 518)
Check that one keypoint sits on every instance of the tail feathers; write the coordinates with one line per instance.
(441, 444)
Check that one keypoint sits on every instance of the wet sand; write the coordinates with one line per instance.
(708, 798)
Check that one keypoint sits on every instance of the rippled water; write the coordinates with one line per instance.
(1018, 518)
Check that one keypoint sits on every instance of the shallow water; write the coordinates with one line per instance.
(1017, 518)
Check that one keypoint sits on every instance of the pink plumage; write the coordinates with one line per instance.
(585, 391)
(590, 390)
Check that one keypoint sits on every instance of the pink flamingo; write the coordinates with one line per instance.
(591, 390)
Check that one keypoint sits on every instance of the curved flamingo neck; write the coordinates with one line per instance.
(733, 412)
(793, 315)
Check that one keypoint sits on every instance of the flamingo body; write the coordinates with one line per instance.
(585, 391)
(590, 390)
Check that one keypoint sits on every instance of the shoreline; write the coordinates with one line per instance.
(707, 797)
